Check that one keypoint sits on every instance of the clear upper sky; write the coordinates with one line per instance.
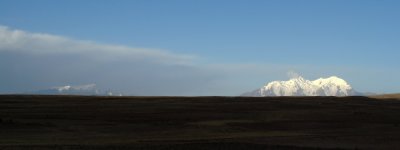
(358, 40)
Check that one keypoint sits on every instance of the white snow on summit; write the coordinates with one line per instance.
(298, 86)
(334, 86)
(62, 88)
(87, 89)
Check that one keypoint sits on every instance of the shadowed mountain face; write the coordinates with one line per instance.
(298, 86)
(195, 123)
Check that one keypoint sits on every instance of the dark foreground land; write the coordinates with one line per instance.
(196, 123)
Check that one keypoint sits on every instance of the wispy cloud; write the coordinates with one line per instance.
(46, 44)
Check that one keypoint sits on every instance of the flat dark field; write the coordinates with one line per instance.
(194, 123)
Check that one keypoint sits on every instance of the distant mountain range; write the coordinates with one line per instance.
(298, 86)
(88, 89)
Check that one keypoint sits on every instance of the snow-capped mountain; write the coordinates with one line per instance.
(88, 89)
(298, 86)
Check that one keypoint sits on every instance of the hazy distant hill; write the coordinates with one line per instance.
(386, 96)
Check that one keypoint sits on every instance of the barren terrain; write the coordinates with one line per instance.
(167, 123)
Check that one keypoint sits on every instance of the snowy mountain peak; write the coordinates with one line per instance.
(63, 88)
(298, 86)
(86, 89)
(297, 79)
(331, 80)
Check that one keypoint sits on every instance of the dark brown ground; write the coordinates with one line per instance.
(194, 123)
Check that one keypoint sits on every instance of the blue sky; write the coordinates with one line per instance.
(356, 40)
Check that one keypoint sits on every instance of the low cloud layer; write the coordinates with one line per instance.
(31, 61)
